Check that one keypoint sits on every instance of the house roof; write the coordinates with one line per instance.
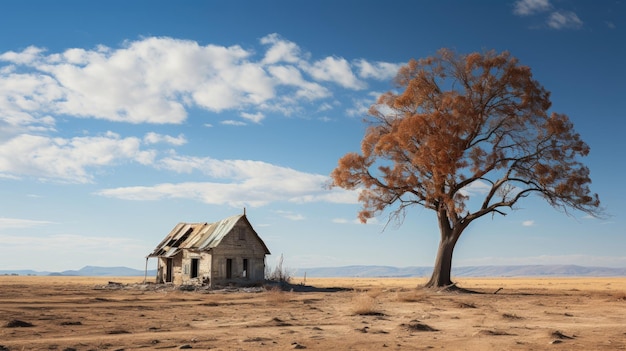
(199, 236)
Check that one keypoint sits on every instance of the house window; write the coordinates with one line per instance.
(245, 268)
(195, 267)
(242, 234)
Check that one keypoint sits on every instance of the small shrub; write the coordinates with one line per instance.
(365, 305)
(276, 295)
(279, 273)
(620, 296)
(374, 293)
(410, 296)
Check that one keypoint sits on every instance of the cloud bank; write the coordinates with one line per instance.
(158, 80)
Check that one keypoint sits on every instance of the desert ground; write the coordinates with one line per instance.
(78, 313)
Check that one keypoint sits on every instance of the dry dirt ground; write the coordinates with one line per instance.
(77, 313)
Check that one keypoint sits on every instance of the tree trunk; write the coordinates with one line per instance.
(443, 264)
(450, 233)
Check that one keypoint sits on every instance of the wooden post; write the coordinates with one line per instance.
(145, 272)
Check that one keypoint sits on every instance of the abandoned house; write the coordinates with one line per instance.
(214, 254)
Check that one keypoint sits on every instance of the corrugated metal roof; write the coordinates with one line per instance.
(171, 252)
(197, 236)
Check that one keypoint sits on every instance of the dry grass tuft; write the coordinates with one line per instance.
(620, 297)
(411, 296)
(276, 295)
(374, 293)
(365, 305)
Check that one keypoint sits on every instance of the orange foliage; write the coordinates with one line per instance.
(462, 119)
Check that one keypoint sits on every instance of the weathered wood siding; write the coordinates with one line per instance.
(239, 245)
(176, 269)
(204, 268)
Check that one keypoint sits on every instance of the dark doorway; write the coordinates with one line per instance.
(245, 268)
(169, 266)
(195, 265)
(229, 268)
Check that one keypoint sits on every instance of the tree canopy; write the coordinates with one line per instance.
(461, 121)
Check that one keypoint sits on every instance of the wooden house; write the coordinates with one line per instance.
(214, 254)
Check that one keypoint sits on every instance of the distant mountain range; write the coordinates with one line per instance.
(470, 271)
(373, 271)
(87, 271)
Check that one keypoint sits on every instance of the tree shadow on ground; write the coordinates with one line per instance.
(284, 286)
(454, 289)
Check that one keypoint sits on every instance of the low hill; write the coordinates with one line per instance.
(87, 271)
(470, 271)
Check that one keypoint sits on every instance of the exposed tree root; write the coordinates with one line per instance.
(452, 288)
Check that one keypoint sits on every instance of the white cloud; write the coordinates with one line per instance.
(17, 223)
(360, 107)
(336, 70)
(25, 100)
(477, 187)
(338, 196)
(530, 7)
(280, 50)
(377, 70)
(67, 160)
(154, 138)
(27, 56)
(324, 107)
(230, 122)
(564, 19)
(354, 221)
(528, 223)
(253, 117)
(291, 76)
(237, 183)
(558, 19)
(291, 216)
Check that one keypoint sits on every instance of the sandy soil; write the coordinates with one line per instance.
(77, 313)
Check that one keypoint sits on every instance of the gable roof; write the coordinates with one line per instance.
(199, 236)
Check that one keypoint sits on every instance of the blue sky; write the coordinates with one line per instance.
(120, 119)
